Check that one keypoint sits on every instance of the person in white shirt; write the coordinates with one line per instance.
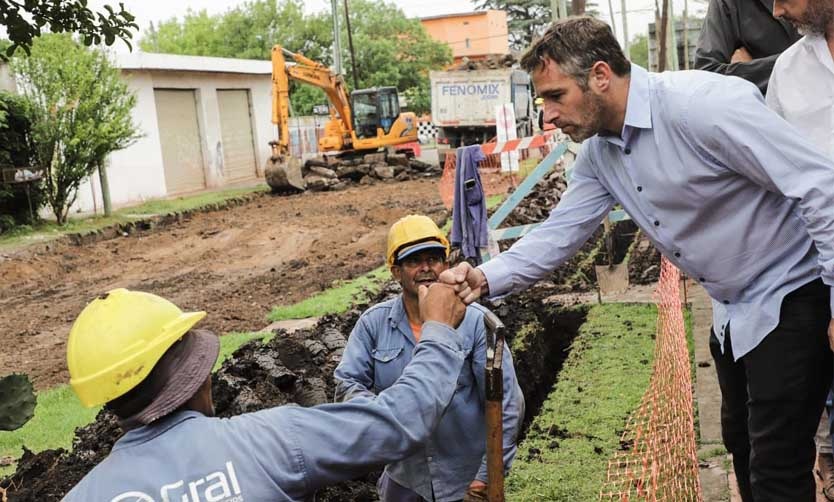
(801, 90)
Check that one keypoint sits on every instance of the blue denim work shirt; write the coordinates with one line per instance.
(726, 189)
(380, 346)
(284, 453)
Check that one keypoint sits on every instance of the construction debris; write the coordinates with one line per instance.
(491, 62)
(332, 173)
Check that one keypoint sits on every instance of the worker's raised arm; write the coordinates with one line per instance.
(330, 443)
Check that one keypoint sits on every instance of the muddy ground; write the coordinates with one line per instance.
(235, 264)
(298, 368)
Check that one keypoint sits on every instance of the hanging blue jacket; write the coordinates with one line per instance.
(469, 216)
(284, 453)
(380, 347)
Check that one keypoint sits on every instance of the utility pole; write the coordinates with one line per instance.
(337, 42)
(613, 21)
(673, 38)
(350, 43)
(626, 44)
(686, 34)
(662, 38)
(105, 188)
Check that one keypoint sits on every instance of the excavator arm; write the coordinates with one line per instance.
(338, 132)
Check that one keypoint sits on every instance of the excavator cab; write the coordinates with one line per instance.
(374, 108)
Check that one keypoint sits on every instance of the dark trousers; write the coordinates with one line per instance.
(772, 398)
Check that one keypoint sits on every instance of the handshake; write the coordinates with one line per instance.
(445, 301)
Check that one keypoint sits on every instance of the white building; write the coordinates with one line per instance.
(205, 123)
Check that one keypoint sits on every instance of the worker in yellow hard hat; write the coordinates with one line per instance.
(452, 465)
(145, 359)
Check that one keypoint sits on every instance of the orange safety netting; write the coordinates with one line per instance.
(659, 461)
(493, 180)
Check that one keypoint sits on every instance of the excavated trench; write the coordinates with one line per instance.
(298, 368)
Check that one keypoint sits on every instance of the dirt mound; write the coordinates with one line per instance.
(490, 62)
(334, 173)
(235, 264)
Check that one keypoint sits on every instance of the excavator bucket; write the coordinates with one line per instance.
(284, 174)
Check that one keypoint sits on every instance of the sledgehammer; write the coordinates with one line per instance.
(494, 407)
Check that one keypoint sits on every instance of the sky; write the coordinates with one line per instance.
(640, 12)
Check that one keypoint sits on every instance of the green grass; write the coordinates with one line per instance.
(334, 300)
(50, 230)
(58, 412)
(565, 455)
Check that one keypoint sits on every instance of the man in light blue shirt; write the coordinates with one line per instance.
(732, 195)
(451, 466)
(140, 354)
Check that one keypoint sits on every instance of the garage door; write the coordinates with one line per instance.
(236, 134)
(179, 131)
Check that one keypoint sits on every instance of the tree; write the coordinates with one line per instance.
(639, 49)
(80, 110)
(527, 19)
(390, 48)
(25, 20)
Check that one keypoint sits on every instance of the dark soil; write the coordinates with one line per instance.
(298, 368)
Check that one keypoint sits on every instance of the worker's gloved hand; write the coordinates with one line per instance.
(440, 303)
(477, 492)
(469, 282)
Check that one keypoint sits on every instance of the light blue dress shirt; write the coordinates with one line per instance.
(284, 453)
(724, 187)
(380, 347)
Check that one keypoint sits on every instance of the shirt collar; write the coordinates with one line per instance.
(146, 433)
(638, 107)
(398, 317)
(819, 46)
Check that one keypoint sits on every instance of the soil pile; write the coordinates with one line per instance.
(333, 173)
(491, 62)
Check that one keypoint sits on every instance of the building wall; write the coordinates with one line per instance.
(136, 173)
(472, 34)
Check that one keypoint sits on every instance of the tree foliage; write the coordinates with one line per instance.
(639, 50)
(390, 48)
(26, 20)
(527, 19)
(17, 151)
(80, 110)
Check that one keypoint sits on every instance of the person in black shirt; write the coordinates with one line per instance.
(742, 38)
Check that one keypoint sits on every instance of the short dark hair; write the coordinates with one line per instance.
(576, 44)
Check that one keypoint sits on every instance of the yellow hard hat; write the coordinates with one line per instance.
(118, 338)
(413, 233)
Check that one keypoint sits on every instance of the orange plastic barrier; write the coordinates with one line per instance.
(659, 460)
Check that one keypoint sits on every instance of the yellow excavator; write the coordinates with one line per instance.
(369, 120)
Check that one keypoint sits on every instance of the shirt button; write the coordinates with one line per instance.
(726, 302)
(429, 459)
(639, 189)
(701, 279)
(656, 223)
(628, 151)
(677, 255)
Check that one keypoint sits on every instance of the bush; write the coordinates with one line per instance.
(16, 150)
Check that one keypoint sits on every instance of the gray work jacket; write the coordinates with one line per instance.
(284, 453)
